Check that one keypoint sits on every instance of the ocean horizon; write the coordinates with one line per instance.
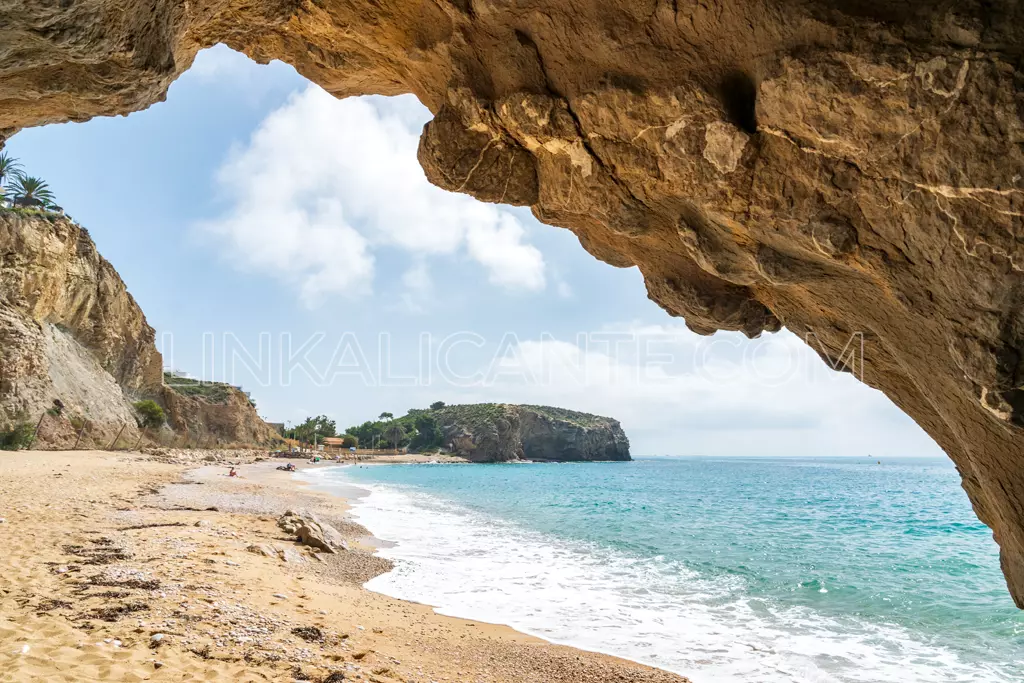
(740, 569)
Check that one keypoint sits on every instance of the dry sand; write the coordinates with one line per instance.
(116, 567)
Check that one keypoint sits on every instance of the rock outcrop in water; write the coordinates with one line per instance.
(851, 170)
(499, 432)
(70, 331)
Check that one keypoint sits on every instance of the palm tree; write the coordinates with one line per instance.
(9, 167)
(31, 191)
(395, 433)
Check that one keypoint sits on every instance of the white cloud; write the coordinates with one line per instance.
(419, 287)
(679, 393)
(323, 184)
(498, 246)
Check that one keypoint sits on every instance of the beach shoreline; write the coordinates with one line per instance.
(120, 567)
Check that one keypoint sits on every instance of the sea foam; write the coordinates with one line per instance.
(472, 565)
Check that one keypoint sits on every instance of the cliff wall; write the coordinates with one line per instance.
(219, 416)
(51, 271)
(70, 331)
(570, 436)
(491, 432)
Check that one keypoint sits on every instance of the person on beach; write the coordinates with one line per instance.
(232, 473)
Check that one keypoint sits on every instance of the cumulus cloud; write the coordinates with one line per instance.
(324, 184)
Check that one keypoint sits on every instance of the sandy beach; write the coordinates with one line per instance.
(123, 567)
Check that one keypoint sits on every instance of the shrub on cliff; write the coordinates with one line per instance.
(152, 414)
(211, 392)
(18, 437)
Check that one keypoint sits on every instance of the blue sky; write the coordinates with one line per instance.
(288, 242)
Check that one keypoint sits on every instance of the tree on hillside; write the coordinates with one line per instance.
(152, 415)
(386, 416)
(394, 434)
(369, 433)
(437, 405)
(29, 191)
(316, 428)
(428, 433)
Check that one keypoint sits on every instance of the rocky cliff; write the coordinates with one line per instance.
(210, 414)
(498, 432)
(852, 170)
(70, 331)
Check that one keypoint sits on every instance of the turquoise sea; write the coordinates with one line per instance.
(722, 569)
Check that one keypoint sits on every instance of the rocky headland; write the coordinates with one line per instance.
(499, 432)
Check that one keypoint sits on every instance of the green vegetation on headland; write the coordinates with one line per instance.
(433, 429)
(211, 392)
(419, 430)
(565, 415)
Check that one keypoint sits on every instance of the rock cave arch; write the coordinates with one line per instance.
(838, 168)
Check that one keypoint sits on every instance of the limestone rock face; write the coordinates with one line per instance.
(226, 418)
(51, 271)
(69, 330)
(570, 436)
(852, 170)
(493, 432)
(487, 432)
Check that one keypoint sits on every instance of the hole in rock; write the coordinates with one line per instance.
(739, 97)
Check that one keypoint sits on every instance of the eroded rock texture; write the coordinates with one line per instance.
(502, 432)
(71, 331)
(221, 416)
(840, 168)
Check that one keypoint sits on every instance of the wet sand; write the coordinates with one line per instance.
(117, 567)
